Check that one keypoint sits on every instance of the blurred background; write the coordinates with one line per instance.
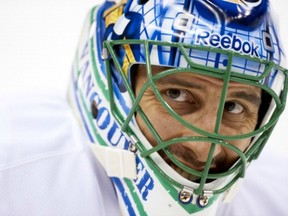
(38, 40)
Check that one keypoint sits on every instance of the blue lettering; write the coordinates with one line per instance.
(236, 43)
(144, 181)
(104, 121)
(246, 47)
(84, 68)
(85, 50)
(116, 137)
(95, 97)
(254, 51)
(202, 38)
(103, 118)
(214, 40)
(226, 42)
(89, 84)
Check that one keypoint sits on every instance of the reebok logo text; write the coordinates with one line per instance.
(227, 42)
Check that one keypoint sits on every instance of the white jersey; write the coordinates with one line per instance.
(264, 191)
(47, 168)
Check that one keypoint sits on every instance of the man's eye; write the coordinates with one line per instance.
(177, 95)
(233, 107)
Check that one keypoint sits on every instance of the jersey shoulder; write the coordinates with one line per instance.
(46, 165)
(263, 188)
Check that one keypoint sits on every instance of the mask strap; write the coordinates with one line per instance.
(117, 162)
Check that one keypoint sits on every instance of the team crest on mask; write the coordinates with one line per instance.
(234, 12)
(245, 3)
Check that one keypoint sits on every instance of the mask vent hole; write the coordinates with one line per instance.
(94, 110)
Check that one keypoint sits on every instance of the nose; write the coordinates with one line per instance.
(205, 120)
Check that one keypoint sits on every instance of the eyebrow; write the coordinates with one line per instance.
(180, 82)
(250, 97)
(253, 98)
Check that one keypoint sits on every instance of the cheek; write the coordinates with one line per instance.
(231, 156)
(241, 144)
(231, 127)
(245, 126)
(162, 122)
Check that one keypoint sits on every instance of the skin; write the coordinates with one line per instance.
(196, 98)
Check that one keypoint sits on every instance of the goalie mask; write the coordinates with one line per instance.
(181, 55)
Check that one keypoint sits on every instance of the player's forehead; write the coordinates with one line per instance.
(190, 78)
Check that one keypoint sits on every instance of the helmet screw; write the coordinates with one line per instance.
(132, 148)
(133, 143)
(202, 201)
(185, 197)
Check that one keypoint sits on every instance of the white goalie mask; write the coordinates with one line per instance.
(230, 41)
